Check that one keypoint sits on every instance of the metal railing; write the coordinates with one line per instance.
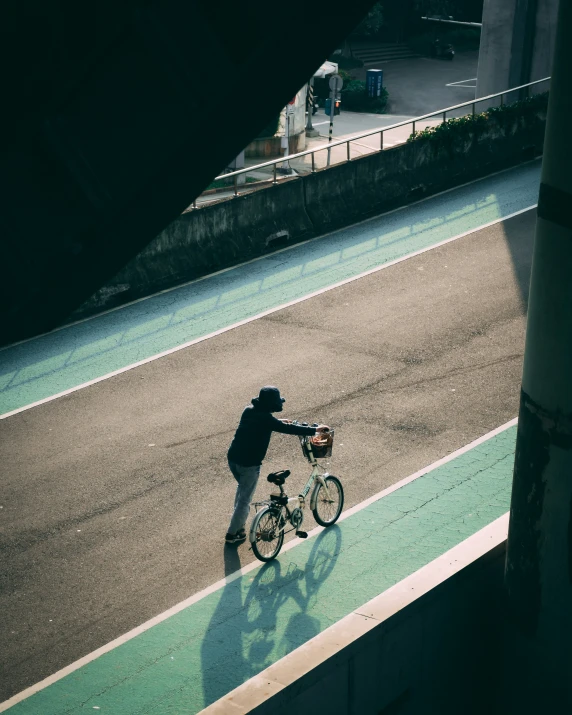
(380, 130)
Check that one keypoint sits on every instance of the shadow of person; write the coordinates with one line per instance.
(236, 644)
(231, 559)
(303, 624)
(261, 616)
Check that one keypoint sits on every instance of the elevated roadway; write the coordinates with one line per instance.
(116, 496)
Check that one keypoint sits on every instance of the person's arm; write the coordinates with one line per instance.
(286, 428)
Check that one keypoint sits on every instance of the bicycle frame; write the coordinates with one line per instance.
(317, 478)
(314, 477)
(281, 514)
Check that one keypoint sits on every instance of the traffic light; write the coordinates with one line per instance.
(337, 106)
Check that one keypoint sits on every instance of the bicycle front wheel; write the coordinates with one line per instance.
(329, 503)
(266, 534)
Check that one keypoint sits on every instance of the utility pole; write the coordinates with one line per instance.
(238, 163)
(289, 109)
(336, 84)
(310, 131)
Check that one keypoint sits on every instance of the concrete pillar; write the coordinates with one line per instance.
(544, 39)
(539, 557)
(517, 43)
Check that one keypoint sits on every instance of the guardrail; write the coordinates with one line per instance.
(381, 131)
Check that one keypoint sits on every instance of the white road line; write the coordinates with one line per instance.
(262, 314)
(260, 688)
(462, 83)
(241, 572)
(266, 255)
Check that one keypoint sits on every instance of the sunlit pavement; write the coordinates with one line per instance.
(116, 497)
(62, 360)
(202, 652)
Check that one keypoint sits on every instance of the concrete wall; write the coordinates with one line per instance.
(495, 47)
(544, 40)
(517, 43)
(272, 146)
(431, 645)
(235, 230)
(298, 116)
(221, 234)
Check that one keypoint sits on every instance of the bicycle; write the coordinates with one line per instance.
(273, 515)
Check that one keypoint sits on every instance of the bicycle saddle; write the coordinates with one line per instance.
(278, 477)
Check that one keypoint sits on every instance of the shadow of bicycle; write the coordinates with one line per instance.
(263, 616)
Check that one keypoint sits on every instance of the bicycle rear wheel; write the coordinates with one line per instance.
(329, 504)
(266, 535)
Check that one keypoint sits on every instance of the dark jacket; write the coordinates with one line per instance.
(252, 437)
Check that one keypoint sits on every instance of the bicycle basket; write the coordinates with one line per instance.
(322, 443)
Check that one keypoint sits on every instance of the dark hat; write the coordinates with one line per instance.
(269, 399)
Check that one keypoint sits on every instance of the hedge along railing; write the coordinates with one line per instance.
(381, 132)
(457, 127)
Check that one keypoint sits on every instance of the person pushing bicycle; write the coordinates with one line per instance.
(248, 448)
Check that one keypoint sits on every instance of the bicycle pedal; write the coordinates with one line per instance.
(302, 534)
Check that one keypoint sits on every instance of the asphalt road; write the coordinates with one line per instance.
(419, 85)
(116, 498)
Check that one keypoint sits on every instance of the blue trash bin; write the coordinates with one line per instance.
(374, 82)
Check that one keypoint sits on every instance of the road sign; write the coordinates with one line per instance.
(336, 83)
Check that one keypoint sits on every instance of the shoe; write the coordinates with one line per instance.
(235, 538)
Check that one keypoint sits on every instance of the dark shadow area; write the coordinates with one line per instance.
(231, 560)
(107, 117)
(519, 235)
(264, 615)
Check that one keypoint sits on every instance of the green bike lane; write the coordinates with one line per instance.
(192, 655)
(61, 361)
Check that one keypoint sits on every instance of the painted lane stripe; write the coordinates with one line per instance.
(50, 680)
(463, 83)
(262, 314)
(260, 689)
(426, 199)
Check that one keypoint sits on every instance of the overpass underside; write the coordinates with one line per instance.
(117, 116)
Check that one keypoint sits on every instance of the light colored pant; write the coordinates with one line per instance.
(247, 478)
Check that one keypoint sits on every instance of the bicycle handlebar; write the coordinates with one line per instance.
(305, 424)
